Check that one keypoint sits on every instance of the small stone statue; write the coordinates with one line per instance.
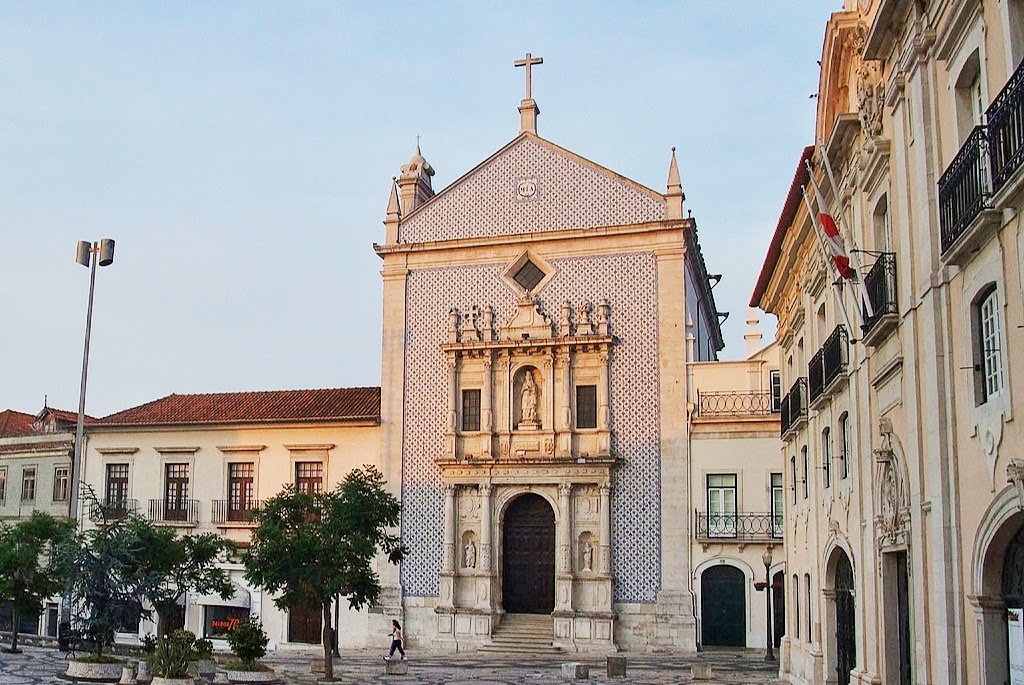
(588, 556)
(529, 399)
(469, 555)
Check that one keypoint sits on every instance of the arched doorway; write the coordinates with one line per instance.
(1012, 592)
(779, 607)
(723, 606)
(846, 627)
(528, 556)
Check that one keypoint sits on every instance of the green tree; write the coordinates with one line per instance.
(27, 578)
(310, 548)
(177, 564)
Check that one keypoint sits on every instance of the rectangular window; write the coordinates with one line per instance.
(722, 505)
(777, 505)
(796, 607)
(792, 466)
(117, 486)
(176, 492)
(221, 620)
(844, 445)
(3, 485)
(776, 383)
(826, 456)
(470, 410)
(586, 406)
(806, 474)
(989, 352)
(28, 485)
(807, 587)
(309, 476)
(60, 484)
(240, 490)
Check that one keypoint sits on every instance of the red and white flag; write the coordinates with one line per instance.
(833, 241)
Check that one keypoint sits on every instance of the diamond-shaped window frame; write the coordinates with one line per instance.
(512, 270)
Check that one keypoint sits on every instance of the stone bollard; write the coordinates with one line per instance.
(128, 675)
(221, 678)
(615, 666)
(316, 666)
(702, 671)
(145, 673)
(576, 671)
(396, 667)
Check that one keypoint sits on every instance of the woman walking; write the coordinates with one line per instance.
(396, 641)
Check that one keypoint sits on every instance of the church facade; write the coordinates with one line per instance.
(534, 404)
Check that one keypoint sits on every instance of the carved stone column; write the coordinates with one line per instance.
(453, 404)
(447, 575)
(565, 405)
(604, 566)
(563, 576)
(486, 414)
(484, 581)
(549, 371)
(603, 404)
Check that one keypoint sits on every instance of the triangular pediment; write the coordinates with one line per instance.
(531, 185)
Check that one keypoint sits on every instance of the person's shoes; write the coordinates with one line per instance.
(385, 658)
(403, 657)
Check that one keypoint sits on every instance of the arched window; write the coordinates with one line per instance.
(807, 590)
(826, 456)
(844, 445)
(796, 606)
(988, 364)
(969, 98)
(792, 466)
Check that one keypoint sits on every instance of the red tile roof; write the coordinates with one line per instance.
(70, 416)
(785, 219)
(14, 423)
(276, 406)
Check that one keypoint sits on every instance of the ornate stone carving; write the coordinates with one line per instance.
(892, 515)
(870, 98)
(528, 399)
(1015, 476)
(469, 554)
(587, 556)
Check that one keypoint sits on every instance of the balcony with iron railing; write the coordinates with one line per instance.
(793, 408)
(112, 509)
(174, 511)
(735, 404)
(1005, 119)
(828, 367)
(227, 512)
(880, 287)
(741, 528)
(964, 188)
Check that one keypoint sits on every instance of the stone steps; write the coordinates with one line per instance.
(523, 634)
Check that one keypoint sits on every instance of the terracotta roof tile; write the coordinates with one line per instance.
(253, 407)
(14, 423)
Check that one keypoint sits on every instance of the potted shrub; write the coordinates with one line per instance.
(145, 673)
(248, 643)
(204, 657)
(174, 654)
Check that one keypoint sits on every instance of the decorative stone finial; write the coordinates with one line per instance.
(675, 195)
(414, 182)
(394, 216)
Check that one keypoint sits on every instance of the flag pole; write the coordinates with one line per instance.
(828, 258)
(855, 252)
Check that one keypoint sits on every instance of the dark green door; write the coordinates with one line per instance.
(723, 607)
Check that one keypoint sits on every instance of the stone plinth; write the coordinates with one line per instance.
(615, 666)
(702, 672)
(396, 667)
(575, 671)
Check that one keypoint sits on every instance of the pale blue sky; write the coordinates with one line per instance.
(240, 154)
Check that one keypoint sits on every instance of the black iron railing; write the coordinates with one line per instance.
(226, 511)
(964, 188)
(740, 527)
(880, 285)
(1005, 118)
(112, 509)
(829, 362)
(794, 405)
(174, 510)
(738, 403)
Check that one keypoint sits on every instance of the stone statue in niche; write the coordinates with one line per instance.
(587, 556)
(528, 399)
(469, 554)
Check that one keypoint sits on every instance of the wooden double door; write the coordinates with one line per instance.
(304, 624)
(528, 556)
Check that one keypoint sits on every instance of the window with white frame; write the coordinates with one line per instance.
(777, 505)
(60, 484)
(28, 484)
(775, 378)
(988, 342)
(722, 505)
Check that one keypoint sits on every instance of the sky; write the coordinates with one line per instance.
(240, 155)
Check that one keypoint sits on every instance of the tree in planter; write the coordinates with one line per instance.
(179, 564)
(248, 642)
(310, 548)
(27, 577)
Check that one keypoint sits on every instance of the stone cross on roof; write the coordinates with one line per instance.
(528, 63)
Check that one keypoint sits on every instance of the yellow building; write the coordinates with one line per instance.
(904, 543)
